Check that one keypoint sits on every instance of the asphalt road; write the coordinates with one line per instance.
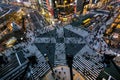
(38, 21)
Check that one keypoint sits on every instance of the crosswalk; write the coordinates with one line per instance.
(89, 67)
(60, 54)
(60, 32)
(45, 40)
(76, 30)
(74, 40)
(9, 67)
(41, 68)
(86, 68)
(60, 57)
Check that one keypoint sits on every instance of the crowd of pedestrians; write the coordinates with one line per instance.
(95, 39)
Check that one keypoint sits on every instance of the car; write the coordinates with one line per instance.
(11, 42)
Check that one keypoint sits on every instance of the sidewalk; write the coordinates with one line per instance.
(95, 40)
(62, 73)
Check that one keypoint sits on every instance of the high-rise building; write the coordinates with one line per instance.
(47, 5)
(61, 8)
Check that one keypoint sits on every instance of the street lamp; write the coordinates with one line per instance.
(47, 60)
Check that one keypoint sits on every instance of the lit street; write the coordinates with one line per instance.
(60, 40)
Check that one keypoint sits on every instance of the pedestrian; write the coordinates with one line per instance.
(62, 68)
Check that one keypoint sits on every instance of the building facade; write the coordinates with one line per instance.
(61, 9)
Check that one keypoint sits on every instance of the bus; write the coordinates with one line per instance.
(86, 21)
